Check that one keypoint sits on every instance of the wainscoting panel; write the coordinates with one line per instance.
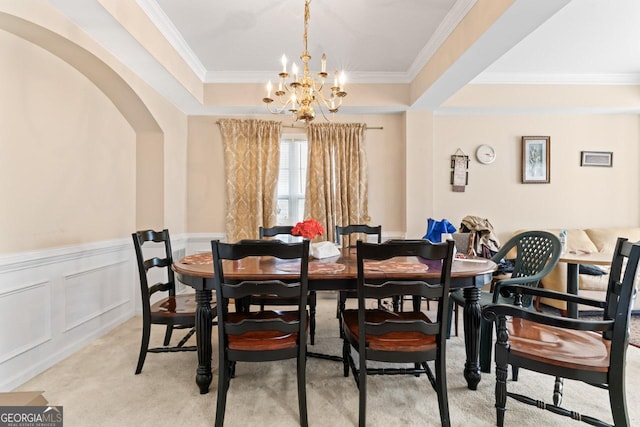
(92, 293)
(55, 301)
(24, 330)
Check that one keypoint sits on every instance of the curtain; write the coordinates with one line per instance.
(251, 158)
(337, 183)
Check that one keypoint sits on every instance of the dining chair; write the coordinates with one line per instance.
(173, 311)
(261, 336)
(537, 253)
(262, 300)
(347, 231)
(377, 334)
(591, 351)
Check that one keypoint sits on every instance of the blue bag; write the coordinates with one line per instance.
(436, 228)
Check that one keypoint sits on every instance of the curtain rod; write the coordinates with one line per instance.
(302, 127)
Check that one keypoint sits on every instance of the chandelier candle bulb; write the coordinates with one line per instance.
(284, 64)
(269, 89)
(324, 63)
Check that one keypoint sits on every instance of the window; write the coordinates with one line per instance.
(292, 180)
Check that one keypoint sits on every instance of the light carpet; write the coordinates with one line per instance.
(97, 387)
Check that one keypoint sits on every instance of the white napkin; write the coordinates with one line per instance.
(323, 250)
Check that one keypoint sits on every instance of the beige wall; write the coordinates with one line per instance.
(576, 197)
(67, 168)
(103, 117)
(409, 172)
(385, 155)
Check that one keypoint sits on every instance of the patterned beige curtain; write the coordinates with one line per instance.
(251, 158)
(337, 183)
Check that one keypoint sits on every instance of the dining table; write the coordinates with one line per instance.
(338, 273)
(574, 259)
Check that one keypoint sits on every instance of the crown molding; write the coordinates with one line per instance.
(558, 79)
(264, 76)
(157, 16)
(444, 30)
(515, 111)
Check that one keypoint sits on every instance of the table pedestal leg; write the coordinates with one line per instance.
(572, 288)
(203, 338)
(472, 316)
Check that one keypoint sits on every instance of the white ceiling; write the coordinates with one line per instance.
(375, 41)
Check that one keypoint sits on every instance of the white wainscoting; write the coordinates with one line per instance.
(55, 301)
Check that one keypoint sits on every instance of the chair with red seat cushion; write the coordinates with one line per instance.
(264, 335)
(174, 311)
(377, 334)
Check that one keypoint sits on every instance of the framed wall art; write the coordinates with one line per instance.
(536, 159)
(596, 158)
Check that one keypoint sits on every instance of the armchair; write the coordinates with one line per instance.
(589, 351)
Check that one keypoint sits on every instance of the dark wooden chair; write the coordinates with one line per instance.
(174, 311)
(406, 337)
(281, 230)
(263, 335)
(349, 242)
(585, 350)
(538, 253)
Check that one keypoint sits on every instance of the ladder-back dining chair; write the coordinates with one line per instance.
(349, 242)
(591, 351)
(174, 311)
(408, 337)
(275, 231)
(264, 335)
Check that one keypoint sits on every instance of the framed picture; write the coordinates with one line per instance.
(536, 156)
(596, 158)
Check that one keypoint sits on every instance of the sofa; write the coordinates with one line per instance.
(589, 240)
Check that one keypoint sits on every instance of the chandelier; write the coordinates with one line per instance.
(300, 94)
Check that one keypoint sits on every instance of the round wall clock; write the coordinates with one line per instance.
(486, 154)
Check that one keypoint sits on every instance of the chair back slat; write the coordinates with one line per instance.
(244, 326)
(389, 326)
(264, 287)
(392, 288)
(274, 231)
